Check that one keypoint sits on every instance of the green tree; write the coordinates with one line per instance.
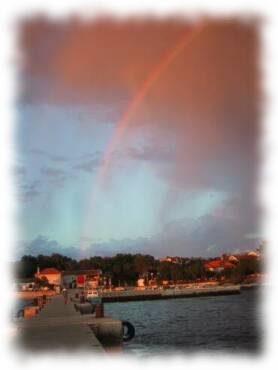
(26, 267)
(143, 263)
(42, 282)
(164, 271)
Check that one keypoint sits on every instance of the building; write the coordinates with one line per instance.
(69, 279)
(233, 259)
(171, 259)
(82, 278)
(152, 282)
(26, 284)
(218, 265)
(53, 275)
(254, 254)
(141, 283)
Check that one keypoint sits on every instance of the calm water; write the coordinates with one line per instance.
(20, 304)
(223, 323)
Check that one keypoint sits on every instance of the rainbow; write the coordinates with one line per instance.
(122, 125)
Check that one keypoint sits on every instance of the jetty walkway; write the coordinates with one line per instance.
(58, 326)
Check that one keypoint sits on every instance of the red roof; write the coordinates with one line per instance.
(49, 271)
(214, 264)
(219, 263)
(229, 265)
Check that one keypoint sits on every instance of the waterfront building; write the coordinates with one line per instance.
(218, 265)
(254, 254)
(53, 275)
(233, 259)
(81, 278)
(171, 259)
(141, 283)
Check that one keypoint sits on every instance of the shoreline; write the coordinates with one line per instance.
(148, 294)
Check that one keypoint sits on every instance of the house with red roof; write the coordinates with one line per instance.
(53, 275)
(218, 265)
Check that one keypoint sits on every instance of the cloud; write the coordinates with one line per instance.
(41, 245)
(201, 118)
(62, 158)
(56, 177)
(255, 236)
(206, 104)
(19, 170)
(207, 236)
(88, 166)
(28, 195)
(59, 158)
(52, 172)
(53, 157)
(149, 153)
(38, 152)
(27, 192)
(112, 61)
(44, 245)
(33, 185)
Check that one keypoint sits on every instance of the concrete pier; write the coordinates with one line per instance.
(144, 295)
(58, 326)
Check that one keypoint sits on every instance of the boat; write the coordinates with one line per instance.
(92, 294)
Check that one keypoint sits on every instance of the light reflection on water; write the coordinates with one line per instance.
(221, 323)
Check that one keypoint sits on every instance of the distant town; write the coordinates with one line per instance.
(124, 271)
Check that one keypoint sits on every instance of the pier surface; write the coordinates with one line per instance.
(58, 326)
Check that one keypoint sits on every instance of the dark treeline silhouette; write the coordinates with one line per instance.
(127, 268)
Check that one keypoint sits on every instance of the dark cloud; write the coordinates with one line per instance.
(59, 158)
(86, 239)
(27, 192)
(221, 231)
(113, 57)
(206, 103)
(150, 153)
(19, 170)
(32, 186)
(38, 152)
(53, 157)
(63, 158)
(208, 236)
(56, 177)
(52, 172)
(88, 166)
(201, 116)
(42, 245)
(91, 155)
(28, 195)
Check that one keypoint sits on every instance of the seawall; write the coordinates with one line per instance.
(144, 295)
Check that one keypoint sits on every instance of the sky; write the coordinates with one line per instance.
(137, 136)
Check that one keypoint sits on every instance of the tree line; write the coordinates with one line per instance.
(127, 268)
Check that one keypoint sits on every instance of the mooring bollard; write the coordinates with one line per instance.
(99, 310)
(30, 311)
(44, 299)
(40, 302)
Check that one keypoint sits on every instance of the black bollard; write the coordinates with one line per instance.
(99, 310)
